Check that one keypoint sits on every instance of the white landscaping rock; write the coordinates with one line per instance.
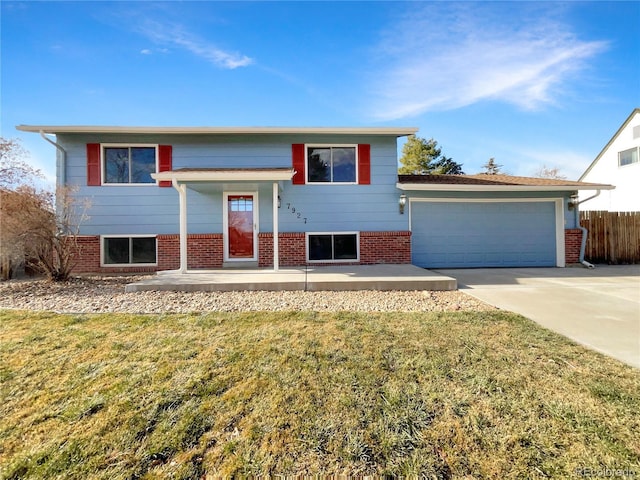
(101, 294)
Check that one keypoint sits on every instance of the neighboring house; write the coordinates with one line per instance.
(617, 164)
(178, 198)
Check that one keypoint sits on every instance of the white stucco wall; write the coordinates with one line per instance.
(626, 196)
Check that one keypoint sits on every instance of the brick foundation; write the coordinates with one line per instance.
(375, 248)
(292, 249)
(205, 251)
(572, 241)
(88, 254)
(385, 247)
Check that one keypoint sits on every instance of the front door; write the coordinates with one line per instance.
(241, 227)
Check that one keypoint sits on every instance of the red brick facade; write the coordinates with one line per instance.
(385, 247)
(88, 254)
(291, 249)
(572, 241)
(205, 251)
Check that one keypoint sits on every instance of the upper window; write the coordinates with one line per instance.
(129, 164)
(328, 164)
(628, 157)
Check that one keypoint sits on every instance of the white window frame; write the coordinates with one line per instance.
(307, 146)
(126, 145)
(120, 265)
(346, 260)
(637, 149)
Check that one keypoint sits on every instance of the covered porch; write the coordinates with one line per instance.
(238, 188)
(335, 278)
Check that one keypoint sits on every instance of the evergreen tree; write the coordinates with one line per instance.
(424, 157)
(446, 166)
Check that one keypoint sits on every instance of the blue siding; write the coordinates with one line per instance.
(151, 209)
(483, 234)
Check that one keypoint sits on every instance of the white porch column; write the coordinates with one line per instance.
(182, 194)
(276, 262)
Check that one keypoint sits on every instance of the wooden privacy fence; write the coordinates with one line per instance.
(614, 237)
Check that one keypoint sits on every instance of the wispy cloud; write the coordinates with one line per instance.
(448, 55)
(177, 36)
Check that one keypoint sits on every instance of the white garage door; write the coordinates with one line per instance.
(483, 234)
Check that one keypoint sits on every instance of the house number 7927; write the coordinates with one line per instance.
(297, 214)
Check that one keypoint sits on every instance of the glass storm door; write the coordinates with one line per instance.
(241, 240)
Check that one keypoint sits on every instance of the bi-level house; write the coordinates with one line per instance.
(186, 198)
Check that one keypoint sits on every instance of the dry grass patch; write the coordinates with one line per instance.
(184, 396)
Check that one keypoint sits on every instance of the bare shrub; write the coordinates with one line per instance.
(35, 231)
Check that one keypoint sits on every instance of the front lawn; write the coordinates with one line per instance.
(459, 395)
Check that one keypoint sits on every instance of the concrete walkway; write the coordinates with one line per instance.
(599, 308)
(357, 277)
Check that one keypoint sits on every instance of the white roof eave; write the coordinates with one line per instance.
(430, 187)
(52, 129)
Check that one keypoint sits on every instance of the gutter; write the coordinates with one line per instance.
(61, 166)
(585, 232)
(396, 131)
(483, 187)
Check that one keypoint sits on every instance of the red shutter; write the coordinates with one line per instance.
(297, 154)
(364, 164)
(93, 164)
(165, 162)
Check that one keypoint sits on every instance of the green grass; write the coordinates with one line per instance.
(461, 395)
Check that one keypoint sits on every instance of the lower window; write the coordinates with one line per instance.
(129, 251)
(332, 247)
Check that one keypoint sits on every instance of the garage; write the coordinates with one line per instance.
(462, 233)
(492, 220)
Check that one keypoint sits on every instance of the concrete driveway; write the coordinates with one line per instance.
(599, 308)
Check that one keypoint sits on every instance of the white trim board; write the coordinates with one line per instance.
(225, 175)
(397, 131)
(449, 187)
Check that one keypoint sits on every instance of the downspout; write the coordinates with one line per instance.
(585, 232)
(61, 167)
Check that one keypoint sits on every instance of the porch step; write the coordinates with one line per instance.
(366, 277)
(240, 265)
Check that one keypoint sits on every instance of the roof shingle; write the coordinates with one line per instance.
(489, 180)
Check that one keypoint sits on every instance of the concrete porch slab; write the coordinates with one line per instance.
(336, 278)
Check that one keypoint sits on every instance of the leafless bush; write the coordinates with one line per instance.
(35, 232)
(37, 227)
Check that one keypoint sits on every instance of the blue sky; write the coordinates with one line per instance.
(528, 83)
